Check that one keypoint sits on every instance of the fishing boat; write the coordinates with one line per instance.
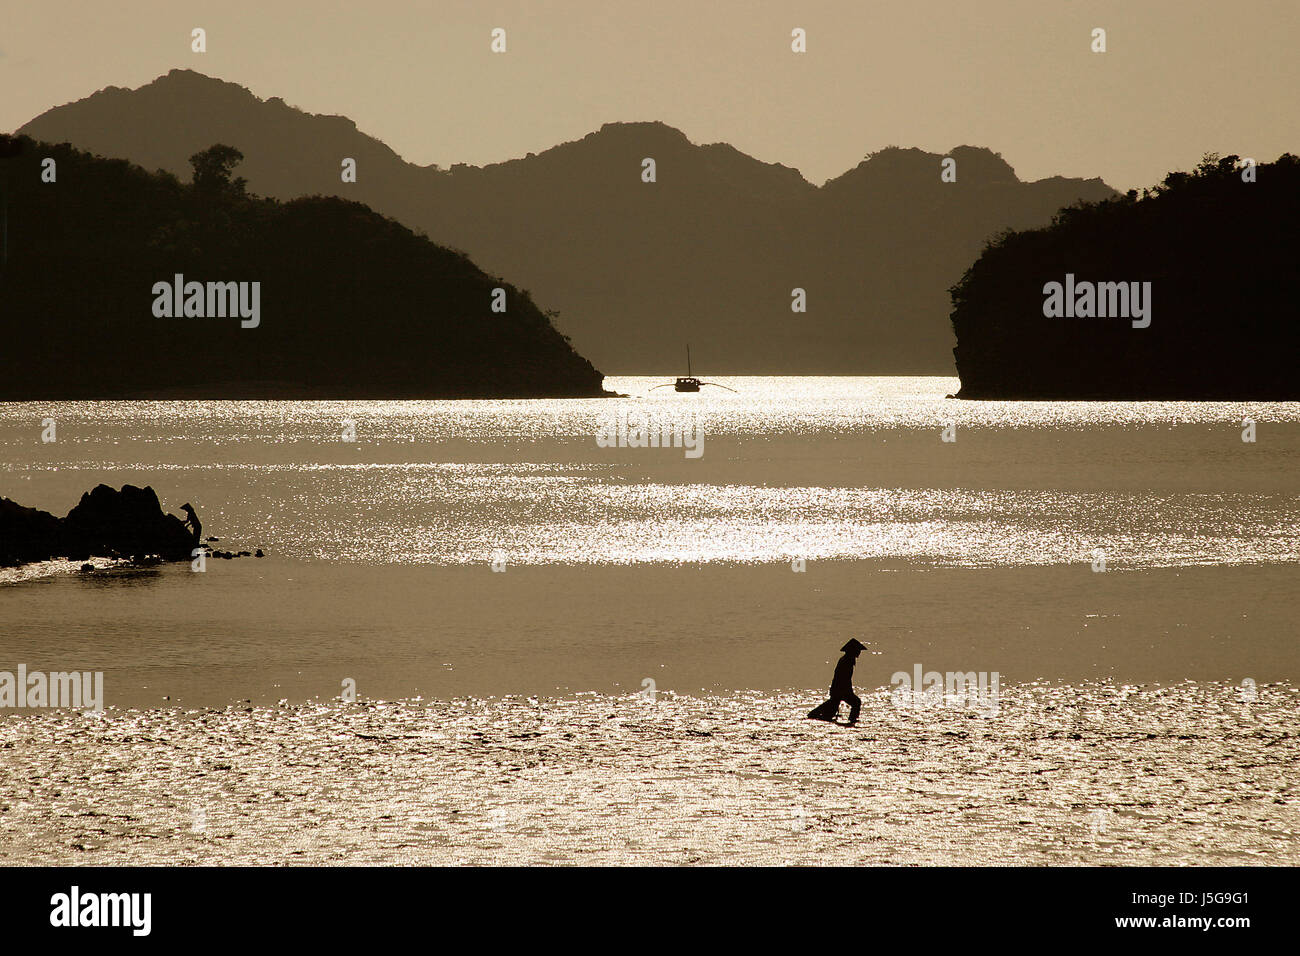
(688, 382)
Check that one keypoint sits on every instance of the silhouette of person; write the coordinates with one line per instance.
(192, 522)
(842, 686)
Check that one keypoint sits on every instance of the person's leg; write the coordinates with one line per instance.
(855, 706)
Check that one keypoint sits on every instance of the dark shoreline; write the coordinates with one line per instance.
(1010, 395)
(240, 393)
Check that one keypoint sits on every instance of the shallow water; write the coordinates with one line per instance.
(1098, 772)
(1127, 568)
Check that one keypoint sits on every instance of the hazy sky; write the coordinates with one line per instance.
(1181, 77)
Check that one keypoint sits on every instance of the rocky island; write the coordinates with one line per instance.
(1186, 292)
(129, 523)
(315, 298)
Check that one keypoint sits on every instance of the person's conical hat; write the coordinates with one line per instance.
(854, 645)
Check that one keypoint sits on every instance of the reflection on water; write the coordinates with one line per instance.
(813, 468)
(760, 406)
(1094, 773)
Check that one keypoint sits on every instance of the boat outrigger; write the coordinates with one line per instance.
(688, 382)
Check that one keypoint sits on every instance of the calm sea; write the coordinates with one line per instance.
(813, 468)
(614, 564)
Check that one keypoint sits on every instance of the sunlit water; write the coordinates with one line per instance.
(629, 568)
(1096, 774)
(790, 468)
(624, 563)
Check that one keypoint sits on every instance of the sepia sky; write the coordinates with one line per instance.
(1181, 77)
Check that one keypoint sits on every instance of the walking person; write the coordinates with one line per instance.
(842, 687)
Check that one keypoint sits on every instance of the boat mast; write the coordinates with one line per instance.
(688, 360)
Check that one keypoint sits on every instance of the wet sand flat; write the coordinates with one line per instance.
(1085, 773)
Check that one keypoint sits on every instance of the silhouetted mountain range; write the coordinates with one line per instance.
(121, 283)
(708, 254)
(1187, 292)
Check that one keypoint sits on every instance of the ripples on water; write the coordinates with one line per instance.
(761, 406)
(818, 468)
(1089, 774)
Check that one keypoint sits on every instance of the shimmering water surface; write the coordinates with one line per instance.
(813, 468)
(625, 563)
(1094, 774)
(1128, 569)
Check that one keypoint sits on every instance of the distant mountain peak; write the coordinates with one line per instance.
(190, 81)
(975, 164)
(125, 122)
(658, 127)
(984, 164)
(713, 248)
(185, 74)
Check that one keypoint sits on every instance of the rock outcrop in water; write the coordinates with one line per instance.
(121, 283)
(105, 523)
(1215, 257)
(26, 534)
